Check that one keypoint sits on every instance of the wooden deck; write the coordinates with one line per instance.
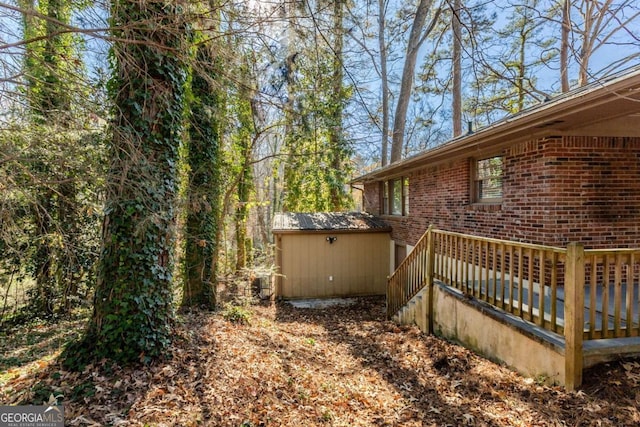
(590, 299)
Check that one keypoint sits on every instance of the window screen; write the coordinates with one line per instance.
(488, 179)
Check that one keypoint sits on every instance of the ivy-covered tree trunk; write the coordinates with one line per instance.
(133, 299)
(57, 101)
(41, 204)
(242, 211)
(203, 159)
(316, 164)
(54, 98)
(245, 184)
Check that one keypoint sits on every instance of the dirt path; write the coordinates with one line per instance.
(339, 366)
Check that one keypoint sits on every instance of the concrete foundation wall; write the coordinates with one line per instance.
(493, 335)
(458, 321)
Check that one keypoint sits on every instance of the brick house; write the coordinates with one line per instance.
(567, 170)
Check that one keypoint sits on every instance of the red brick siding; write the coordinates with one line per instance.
(595, 191)
(371, 198)
(555, 191)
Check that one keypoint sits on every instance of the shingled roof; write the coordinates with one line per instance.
(328, 221)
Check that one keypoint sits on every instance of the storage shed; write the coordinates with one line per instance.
(321, 255)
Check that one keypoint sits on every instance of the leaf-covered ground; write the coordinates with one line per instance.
(339, 366)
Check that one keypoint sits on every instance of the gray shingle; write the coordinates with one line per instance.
(331, 221)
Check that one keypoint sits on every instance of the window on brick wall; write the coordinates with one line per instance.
(487, 180)
(395, 197)
(405, 196)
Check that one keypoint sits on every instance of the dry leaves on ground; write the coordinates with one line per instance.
(338, 366)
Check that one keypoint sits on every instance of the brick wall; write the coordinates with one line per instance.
(555, 191)
(371, 198)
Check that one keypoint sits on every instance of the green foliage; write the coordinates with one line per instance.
(50, 162)
(317, 165)
(52, 63)
(436, 73)
(83, 390)
(50, 183)
(311, 173)
(40, 394)
(510, 84)
(237, 314)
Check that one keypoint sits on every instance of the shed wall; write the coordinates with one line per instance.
(354, 264)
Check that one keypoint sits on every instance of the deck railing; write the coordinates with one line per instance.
(528, 281)
(519, 278)
(611, 297)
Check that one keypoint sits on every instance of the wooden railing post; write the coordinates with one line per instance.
(430, 260)
(573, 315)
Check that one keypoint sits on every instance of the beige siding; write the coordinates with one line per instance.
(355, 264)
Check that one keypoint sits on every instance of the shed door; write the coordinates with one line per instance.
(354, 264)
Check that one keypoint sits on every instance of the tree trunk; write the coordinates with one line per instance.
(242, 210)
(70, 270)
(203, 158)
(42, 211)
(49, 101)
(384, 77)
(416, 39)
(524, 32)
(457, 72)
(133, 298)
(288, 108)
(587, 44)
(245, 134)
(564, 46)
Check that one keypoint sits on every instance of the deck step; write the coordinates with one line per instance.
(414, 312)
(609, 349)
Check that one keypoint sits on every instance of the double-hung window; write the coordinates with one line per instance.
(487, 180)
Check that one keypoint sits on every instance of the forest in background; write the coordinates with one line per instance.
(144, 146)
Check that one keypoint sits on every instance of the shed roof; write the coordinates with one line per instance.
(328, 221)
(608, 107)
